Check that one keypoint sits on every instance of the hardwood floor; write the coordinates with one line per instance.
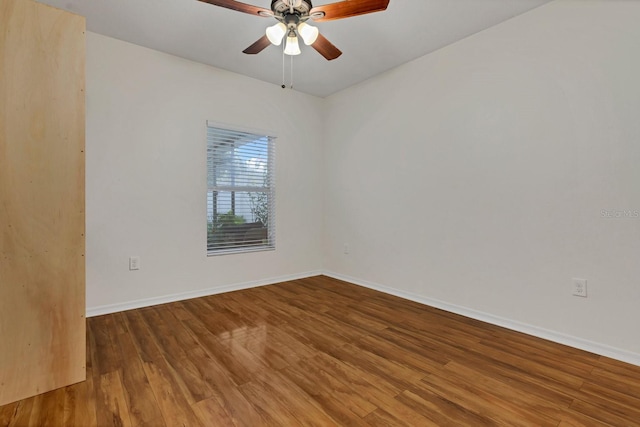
(322, 352)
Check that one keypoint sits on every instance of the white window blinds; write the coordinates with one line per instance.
(240, 191)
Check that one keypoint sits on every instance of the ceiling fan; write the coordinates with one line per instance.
(292, 17)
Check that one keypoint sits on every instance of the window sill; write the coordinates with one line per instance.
(240, 250)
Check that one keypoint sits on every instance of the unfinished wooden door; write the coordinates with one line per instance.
(42, 273)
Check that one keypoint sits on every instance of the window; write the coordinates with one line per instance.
(240, 191)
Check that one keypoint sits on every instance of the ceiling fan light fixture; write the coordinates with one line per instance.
(292, 47)
(276, 32)
(309, 33)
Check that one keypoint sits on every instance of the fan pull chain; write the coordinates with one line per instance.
(283, 85)
(291, 72)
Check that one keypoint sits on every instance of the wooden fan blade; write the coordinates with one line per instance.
(348, 8)
(240, 7)
(326, 48)
(258, 46)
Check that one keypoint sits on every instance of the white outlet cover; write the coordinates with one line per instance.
(579, 287)
(134, 263)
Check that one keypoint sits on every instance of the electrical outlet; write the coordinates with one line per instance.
(346, 248)
(134, 263)
(580, 287)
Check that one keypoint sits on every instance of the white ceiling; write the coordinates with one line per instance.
(371, 44)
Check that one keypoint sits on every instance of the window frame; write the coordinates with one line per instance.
(269, 188)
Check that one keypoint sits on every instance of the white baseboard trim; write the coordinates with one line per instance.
(558, 337)
(147, 302)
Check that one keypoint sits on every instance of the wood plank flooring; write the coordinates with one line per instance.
(322, 352)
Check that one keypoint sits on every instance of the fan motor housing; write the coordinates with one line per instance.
(283, 7)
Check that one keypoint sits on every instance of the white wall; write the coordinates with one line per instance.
(475, 177)
(146, 176)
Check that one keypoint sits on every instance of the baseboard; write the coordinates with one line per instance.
(571, 341)
(147, 302)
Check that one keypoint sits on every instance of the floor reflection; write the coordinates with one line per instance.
(252, 338)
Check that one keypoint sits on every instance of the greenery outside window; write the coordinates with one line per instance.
(240, 191)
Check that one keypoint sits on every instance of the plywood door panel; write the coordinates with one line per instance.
(42, 272)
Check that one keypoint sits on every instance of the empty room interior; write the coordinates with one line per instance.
(380, 213)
